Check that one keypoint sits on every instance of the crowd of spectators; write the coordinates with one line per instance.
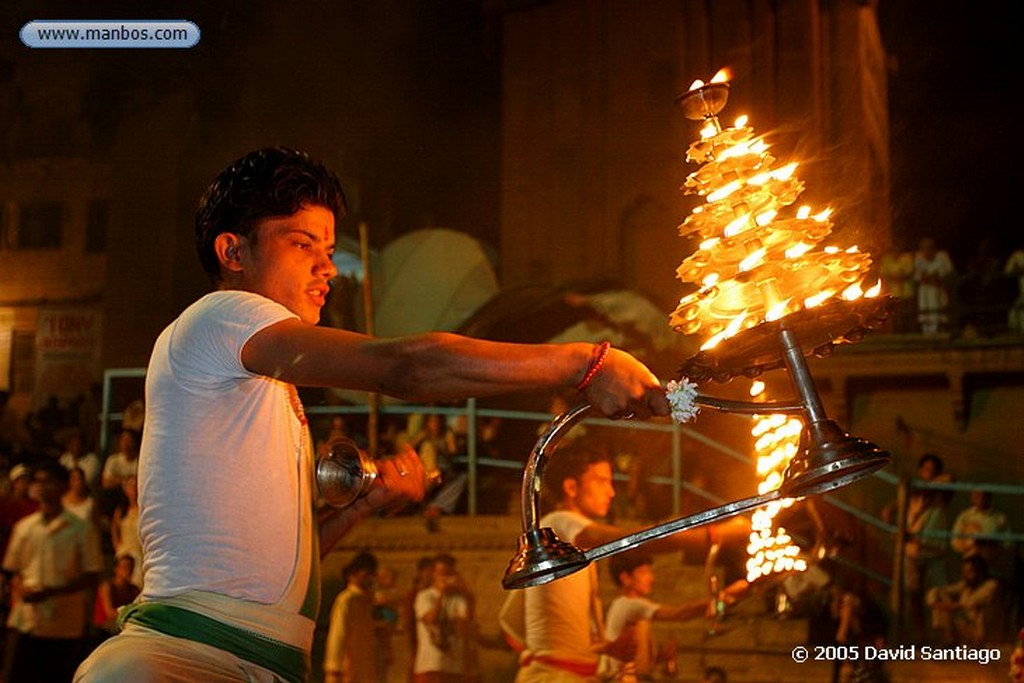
(977, 294)
(68, 535)
(960, 579)
(437, 613)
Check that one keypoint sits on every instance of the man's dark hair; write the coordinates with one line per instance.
(445, 559)
(364, 561)
(932, 458)
(266, 183)
(624, 563)
(57, 472)
(570, 462)
(714, 674)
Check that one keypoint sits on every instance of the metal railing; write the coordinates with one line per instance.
(984, 304)
(473, 462)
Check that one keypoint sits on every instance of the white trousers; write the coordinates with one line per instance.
(142, 655)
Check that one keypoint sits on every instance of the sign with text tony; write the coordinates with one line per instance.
(67, 352)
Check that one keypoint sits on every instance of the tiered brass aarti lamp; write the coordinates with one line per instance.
(767, 299)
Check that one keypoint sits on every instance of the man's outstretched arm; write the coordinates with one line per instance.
(438, 366)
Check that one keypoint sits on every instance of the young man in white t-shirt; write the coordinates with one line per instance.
(633, 573)
(226, 489)
(558, 627)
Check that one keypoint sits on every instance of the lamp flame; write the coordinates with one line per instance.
(818, 299)
(750, 262)
(777, 439)
(732, 328)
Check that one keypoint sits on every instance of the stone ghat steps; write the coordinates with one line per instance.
(753, 645)
(780, 669)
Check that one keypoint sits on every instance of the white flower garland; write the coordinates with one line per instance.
(682, 396)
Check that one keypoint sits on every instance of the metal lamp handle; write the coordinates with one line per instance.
(534, 471)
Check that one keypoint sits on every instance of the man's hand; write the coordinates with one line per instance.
(624, 388)
(400, 478)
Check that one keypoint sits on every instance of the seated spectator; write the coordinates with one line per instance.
(78, 500)
(75, 455)
(974, 524)
(967, 612)
(113, 593)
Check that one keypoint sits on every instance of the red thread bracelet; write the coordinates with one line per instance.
(596, 361)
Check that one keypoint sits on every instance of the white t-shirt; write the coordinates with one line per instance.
(118, 467)
(430, 657)
(221, 460)
(625, 611)
(48, 555)
(558, 615)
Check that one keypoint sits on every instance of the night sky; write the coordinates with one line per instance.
(956, 112)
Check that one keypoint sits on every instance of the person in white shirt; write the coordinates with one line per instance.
(226, 474)
(558, 627)
(633, 573)
(74, 455)
(54, 561)
(446, 636)
(932, 270)
(125, 462)
(974, 526)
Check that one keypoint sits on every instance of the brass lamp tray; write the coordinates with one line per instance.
(817, 330)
